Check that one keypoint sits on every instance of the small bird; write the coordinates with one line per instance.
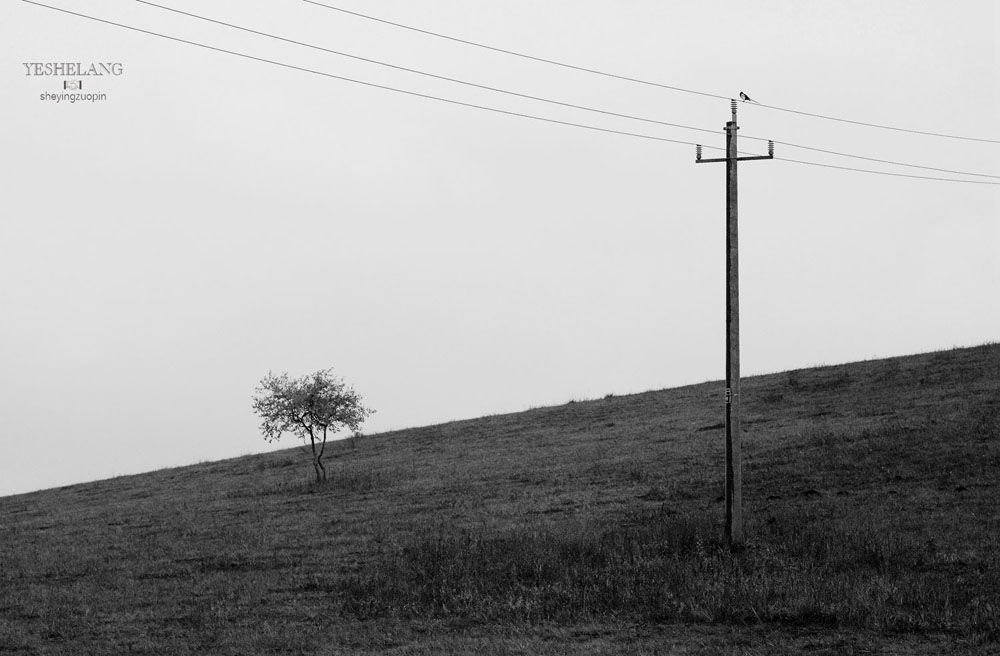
(745, 98)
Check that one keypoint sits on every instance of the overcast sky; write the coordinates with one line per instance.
(216, 217)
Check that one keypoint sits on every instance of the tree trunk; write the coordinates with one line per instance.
(319, 458)
(317, 465)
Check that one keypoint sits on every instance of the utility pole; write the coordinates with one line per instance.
(734, 433)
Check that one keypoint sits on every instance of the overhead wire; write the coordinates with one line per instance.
(424, 73)
(870, 159)
(465, 104)
(897, 175)
(365, 83)
(542, 99)
(880, 126)
(516, 54)
(626, 78)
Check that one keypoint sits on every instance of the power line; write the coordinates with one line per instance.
(539, 98)
(427, 74)
(516, 54)
(897, 175)
(871, 159)
(638, 80)
(465, 104)
(852, 168)
(368, 84)
(877, 125)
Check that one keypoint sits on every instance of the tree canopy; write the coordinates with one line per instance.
(309, 406)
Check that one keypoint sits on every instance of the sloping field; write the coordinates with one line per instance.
(594, 527)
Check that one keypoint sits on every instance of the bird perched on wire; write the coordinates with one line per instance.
(745, 98)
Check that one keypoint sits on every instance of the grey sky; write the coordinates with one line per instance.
(215, 217)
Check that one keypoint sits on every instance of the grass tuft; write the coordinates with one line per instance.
(661, 567)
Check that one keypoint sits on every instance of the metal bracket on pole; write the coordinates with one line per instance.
(699, 160)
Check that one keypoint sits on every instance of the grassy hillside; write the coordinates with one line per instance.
(592, 527)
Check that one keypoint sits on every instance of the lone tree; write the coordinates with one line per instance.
(310, 406)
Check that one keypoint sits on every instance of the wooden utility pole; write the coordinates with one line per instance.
(734, 431)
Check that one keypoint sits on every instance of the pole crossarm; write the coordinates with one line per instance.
(698, 159)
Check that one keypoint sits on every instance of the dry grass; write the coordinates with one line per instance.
(592, 527)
